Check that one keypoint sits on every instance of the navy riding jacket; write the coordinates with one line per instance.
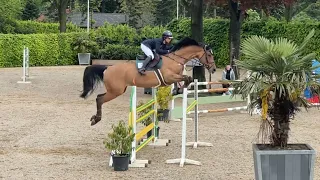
(157, 45)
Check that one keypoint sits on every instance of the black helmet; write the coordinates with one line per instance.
(167, 34)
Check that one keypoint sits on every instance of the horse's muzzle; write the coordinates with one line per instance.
(212, 69)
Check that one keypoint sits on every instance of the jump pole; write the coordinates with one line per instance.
(25, 66)
(181, 161)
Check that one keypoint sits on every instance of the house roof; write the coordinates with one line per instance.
(99, 18)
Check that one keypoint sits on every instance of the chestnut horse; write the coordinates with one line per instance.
(116, 78)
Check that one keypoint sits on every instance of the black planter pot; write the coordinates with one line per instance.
(163, 114)
(150, 133)
(121, 162)
(147, 90)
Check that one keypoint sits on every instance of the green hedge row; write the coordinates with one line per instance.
(34, 27)
(114, 42)
(45, 49)
(122, 41)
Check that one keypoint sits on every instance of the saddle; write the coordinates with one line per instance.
(154, 64)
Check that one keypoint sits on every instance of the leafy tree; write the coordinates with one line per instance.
(94, 6)
(110, 6)
(311, 12)
(134, 8)
(31, 10)
(237, 9)
(59, 7)
(164, 11)
(10, 10)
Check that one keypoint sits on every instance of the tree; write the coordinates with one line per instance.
(294, 7)
(31, 10)
(10, 10)
(141, 12)
(134, 10)
(279, 72)
(59, 6)
(197, 34)
(164, 7)
(237, 9)
(110, 6)
(94, 6)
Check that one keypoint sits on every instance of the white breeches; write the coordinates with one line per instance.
(147, 51)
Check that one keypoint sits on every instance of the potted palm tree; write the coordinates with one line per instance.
(120, 142)
(163, 97)
(279, 72)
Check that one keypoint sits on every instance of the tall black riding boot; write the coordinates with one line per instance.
(144, 65)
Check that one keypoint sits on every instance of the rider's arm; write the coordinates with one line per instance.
(159, 50)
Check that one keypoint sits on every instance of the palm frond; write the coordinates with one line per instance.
(304, 43)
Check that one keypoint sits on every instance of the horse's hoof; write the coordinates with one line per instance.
(93, 122)
(95, 119)
(174, 92)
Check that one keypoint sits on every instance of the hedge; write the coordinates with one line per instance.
(45, 49)
(34, 27)
(122, 42)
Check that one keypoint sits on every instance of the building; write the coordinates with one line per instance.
(99, 19)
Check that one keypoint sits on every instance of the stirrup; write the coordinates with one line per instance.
(142, 70)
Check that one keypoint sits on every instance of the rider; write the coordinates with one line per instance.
(157, 44)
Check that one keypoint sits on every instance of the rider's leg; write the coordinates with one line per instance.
(147, 51)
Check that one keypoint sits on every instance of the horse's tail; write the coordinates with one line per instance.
(91, 77)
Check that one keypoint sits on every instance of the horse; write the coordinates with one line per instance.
(167, 70)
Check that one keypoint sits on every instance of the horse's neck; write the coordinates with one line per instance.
(188, 53)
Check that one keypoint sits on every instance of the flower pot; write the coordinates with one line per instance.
(163, 114)
(84, 58)
(147, 90)
(296, 163)
(121, 162)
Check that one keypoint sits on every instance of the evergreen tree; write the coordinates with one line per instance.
(31, 11)
(165, 11)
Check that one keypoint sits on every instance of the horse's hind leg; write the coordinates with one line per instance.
(102, 98)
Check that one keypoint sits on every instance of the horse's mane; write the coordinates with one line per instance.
(187, 41)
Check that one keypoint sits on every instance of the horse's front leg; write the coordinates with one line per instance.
(187, 80)
(178, 78)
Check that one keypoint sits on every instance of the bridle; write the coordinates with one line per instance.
(207, 61)
(207, 64)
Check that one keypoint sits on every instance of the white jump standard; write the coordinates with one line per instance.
(25, 66)
(181, 161)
